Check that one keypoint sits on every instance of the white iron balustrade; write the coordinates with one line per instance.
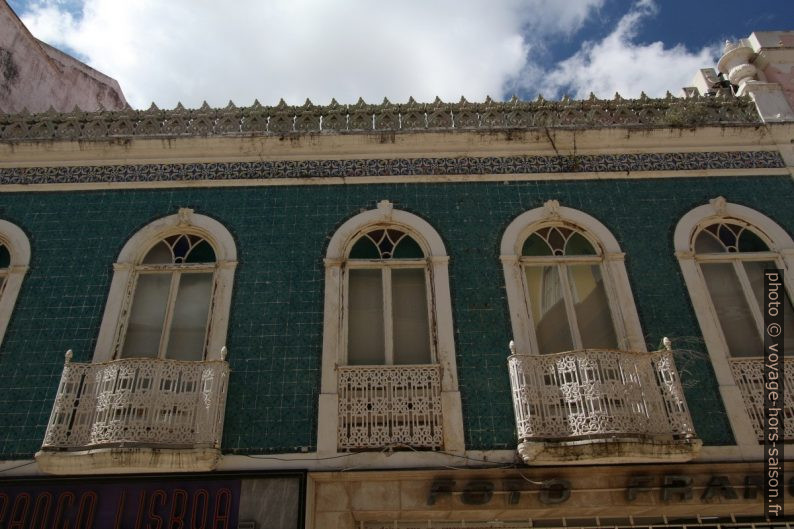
(591, 394)
(139, 402)
(749, 375)
(390, 406)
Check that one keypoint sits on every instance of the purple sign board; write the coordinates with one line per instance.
(135, 503)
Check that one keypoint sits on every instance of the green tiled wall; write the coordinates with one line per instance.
(275, 332)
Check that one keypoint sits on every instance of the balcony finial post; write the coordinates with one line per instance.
(67, 357)
(512, 346)
(224, 352)
(667, 343)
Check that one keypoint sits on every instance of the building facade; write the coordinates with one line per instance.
(505, 314)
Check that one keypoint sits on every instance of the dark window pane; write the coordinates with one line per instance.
(727, 235)
(408, 248)
(364, 249)
(159, 254)
(201, 253)
(557, 241)
(578, 245)
(5, 257)
(409, 312)
(535, 245)
(365, 336)
(750, 242)
(707, 243)
(180, 248)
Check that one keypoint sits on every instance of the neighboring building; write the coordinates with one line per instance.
(36, 77)
(280, 316)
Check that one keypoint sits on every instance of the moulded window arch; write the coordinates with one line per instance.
(567, 286)
(722, 249)
(14, 263)
(384, 246)
(171, 291)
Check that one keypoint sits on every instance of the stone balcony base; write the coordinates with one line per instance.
(128, 460)
(608, 451)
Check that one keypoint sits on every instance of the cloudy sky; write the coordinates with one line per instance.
(194, 50)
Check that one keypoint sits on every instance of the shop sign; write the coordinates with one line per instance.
(150, 504)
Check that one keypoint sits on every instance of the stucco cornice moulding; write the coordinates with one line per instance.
(362, 117)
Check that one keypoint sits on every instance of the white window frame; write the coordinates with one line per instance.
(335, 328)
(127, 267)
(613, 270)
(781, 248)
(19, 249)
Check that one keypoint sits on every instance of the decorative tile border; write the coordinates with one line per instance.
(392, 167)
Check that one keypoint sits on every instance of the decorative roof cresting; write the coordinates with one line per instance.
(362, 117)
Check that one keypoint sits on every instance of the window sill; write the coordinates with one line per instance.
(608, 451)
(128, 460)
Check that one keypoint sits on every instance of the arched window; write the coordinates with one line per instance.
(732, 256)
(14, 261)
(565, 290)
(171, 292)
(723, 249)
(388, 316)
(566, 284)
(171, 302)
(388, 331)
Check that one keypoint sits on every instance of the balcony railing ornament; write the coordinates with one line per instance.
(145, 402)
(599, 395)
(388, 406)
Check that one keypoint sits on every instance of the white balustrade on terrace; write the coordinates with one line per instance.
(138, 402)
(597, 394)
(749, 375)
(389, 406)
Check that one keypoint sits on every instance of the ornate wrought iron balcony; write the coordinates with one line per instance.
(384, 406)
(137, 403)
(749, 375)
(600, 404)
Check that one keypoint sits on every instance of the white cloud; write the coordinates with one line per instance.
(191, 50)
(195, 50)
(618, 64)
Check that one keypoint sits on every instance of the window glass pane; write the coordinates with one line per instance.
(409, 312)
(408, 248)
(755, 273)
(159, 254)
(364, 249)
(733, 312)
(750, 242)
(145, 326)
(591, 306)
(578, 245)
(201, 253)
(548, 309)
(5, 257)
(535, 245)
(365, 339)
(189, 322)
(707, 243)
